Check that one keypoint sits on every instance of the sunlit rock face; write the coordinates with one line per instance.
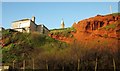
(98, 31)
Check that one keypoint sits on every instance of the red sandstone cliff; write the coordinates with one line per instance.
(97, 31)
(109, 24)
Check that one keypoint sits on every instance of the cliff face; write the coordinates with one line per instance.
(109, 24)
(98, 31)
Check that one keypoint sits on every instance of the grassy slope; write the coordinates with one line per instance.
(47, 51)
(114, 14)
(30, 44)
(64, 32)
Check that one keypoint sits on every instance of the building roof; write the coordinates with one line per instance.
(1, 28)
(21, 20)
(43, 26)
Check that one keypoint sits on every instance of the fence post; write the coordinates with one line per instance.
(47, 65)
(33, 64)
(114, 64)
(23, 55)
(23, 65)
(96, 64)
(13, 64)
(78, 64)
(63, 68)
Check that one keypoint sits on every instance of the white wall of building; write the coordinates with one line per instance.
(21, 24)
(28, 26)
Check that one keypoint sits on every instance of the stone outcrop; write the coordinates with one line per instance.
(96, 22)
(100, 25)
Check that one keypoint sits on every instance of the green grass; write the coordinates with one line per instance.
(114, 14)
(105, 35)
(18, 43)
(65, 32)
(44, 48)
(111, 26)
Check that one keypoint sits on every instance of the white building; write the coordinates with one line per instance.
(29, 25)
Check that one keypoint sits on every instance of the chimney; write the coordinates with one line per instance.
(33, 19)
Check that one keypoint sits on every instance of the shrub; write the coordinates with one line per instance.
(55, 54)
(105, 35)
(7, 41)
(6, 32)
(111, 26)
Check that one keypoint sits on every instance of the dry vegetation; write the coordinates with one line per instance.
(42, 52)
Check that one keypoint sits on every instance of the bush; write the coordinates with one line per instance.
(47, 51)
(111, 26)
(5, 33)
(105, 35)
(7, 41)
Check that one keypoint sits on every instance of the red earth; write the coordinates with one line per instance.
(98, 32)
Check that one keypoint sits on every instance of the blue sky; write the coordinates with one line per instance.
(51, 13)
(60, 0)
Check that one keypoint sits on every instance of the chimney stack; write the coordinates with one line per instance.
(33, 19)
